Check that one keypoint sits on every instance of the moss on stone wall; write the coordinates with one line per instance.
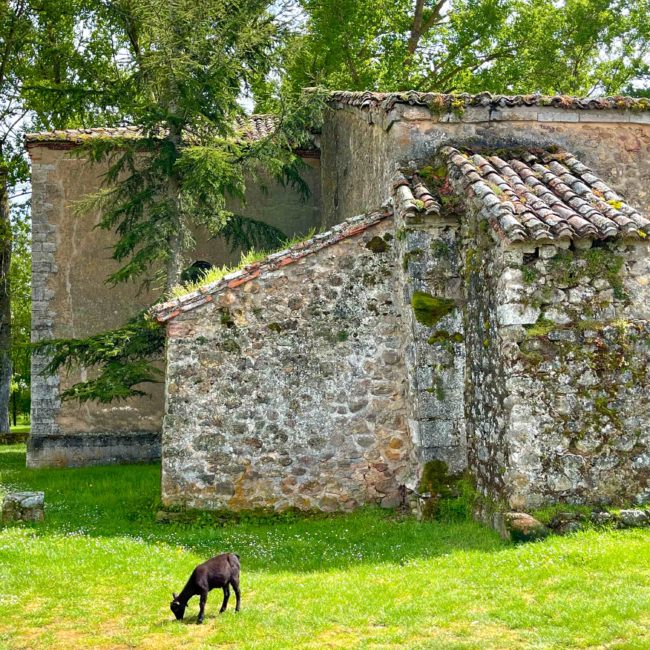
(377, 245)
(444, 337)
(568, 267)
(429, 310)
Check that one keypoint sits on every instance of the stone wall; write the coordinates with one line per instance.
(558, 372)
(290, 391)
(358, 162)
(71, 260)
(432, 301)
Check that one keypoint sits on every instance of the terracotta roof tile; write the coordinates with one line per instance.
(531, 195)
(79, 136)
(248, 129)
(172, 308)
(387, 101)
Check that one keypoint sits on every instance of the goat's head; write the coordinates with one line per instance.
(177, 607)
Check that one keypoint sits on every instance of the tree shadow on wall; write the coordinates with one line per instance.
(122, 501)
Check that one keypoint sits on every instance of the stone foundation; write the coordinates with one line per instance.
(78, 450)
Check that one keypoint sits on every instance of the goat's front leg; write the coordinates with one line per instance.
(203, 601)
(226, 596)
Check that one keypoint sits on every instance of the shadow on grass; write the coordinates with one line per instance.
(121, 501)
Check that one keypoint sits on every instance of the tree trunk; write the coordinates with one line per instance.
(5, 300)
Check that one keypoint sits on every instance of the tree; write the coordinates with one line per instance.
(14, 29)
(190, 64)
(503, 46)
(21, 275)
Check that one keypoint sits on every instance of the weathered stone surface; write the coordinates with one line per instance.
(319, 387)
(552, 413)
(23, 506)
(522, 527)
(633, 518)
(261, 425)
(71, 260)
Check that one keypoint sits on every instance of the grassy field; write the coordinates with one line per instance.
(99, 574)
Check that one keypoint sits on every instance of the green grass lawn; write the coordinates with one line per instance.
(20, 428)
(99, 574)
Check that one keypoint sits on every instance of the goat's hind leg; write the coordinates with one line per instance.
(235, 586)
(202, 602)
(226, 596)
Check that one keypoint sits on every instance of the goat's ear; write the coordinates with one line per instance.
(175, 595)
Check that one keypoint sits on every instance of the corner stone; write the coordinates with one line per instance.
(521, 527)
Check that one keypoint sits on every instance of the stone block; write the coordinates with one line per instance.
(633, 518)
(438, 433)
(517, 314)
(605, 116)
(557, 115)
(23, 506)
(519, 527)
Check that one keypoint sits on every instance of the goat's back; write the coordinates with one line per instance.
(219, 570)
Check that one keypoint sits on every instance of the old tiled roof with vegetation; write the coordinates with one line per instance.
(525, 194)
(387, 101)
(204, 294)
(248, 129)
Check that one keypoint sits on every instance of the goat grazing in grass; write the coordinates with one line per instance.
(218, 572)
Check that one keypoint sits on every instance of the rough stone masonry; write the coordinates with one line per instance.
(498, 321)
(492, 315)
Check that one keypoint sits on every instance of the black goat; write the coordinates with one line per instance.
(220, 571)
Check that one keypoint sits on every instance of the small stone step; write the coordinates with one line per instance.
(23, 506)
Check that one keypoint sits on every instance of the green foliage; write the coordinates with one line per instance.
(547, 514)
(573, 47)
(429, 310)
(529, 274)
(452, 496)
(21, 316)
(188, 65)
(249, 257)
(121, 358)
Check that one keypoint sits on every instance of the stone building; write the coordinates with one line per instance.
(70, 297)
(489, 308)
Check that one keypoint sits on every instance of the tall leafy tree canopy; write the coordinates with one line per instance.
(503, 46)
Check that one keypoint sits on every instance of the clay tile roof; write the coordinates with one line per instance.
(387, 101)
(256, 127)
(533, 195)
(353, 226)
(247, 129)
(78, 136)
